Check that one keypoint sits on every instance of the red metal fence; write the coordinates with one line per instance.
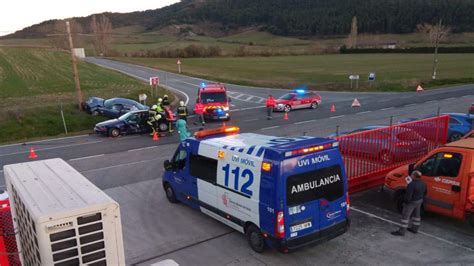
(8, 248)
(370, 155)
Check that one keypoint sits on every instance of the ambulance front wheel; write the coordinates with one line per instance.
(255, 239)
(170, 193)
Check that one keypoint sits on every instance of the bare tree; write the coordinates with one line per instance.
(102, 29)
(433, 33)
(352, 38)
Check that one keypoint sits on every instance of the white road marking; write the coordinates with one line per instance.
(249, 98)
(339, 116)
(431, 101)
(40, 141)
(141, 149)
(125, 164)
(52, 148)
(87, 157)
(192, 84)
(465, 96)
(246, 108)
(248, 120)
(366, 112)
(411, 104)
(266, 128)
(389, 108)
(304, 122)
(421, 232)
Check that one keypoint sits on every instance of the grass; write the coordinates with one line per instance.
(34, 82)
(395, 72)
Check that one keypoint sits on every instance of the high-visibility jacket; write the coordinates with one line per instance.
(199, 108)
(182, 110)
(270, 102)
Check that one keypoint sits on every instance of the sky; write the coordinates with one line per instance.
(18, 14)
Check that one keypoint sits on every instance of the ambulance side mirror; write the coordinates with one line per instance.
(168, 165)
(229, 99)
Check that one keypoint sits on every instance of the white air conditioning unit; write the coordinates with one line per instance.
(61, 217)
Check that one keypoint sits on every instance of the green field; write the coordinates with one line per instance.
(34, 82)
(395, 72)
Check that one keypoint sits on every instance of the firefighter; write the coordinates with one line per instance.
(159, 106)
(199, 110)
(153, 118)
(414, 195)
(182, 129)
(166, 101)
(182, 111)
(270, 104)
(170, 118)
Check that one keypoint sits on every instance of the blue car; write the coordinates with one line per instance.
(134, 122)
(112, 108)
(459, 124)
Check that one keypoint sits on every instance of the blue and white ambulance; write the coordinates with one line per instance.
(280, 192)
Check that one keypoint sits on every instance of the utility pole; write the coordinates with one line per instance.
(74, 67)
(435, 62)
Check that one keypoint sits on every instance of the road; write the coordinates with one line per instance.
(129, 170)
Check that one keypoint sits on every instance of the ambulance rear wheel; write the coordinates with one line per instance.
(255, 239)
(170, 194)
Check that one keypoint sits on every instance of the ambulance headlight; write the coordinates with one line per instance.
(226, 108)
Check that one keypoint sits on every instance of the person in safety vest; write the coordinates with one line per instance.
(153, 118)
(199, 110)
(170, 118)
(182, 130)
(414, 196)
(159, 106)
(182, 111)
(270, 104)
(166, 101)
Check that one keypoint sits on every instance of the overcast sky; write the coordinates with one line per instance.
(18, 14)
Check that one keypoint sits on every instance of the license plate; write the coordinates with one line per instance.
(299, 227)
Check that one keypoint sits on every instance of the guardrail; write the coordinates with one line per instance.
(370, 155)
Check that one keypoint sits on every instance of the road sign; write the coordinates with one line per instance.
(353, 77)
(154, 81)
(142, 97)
(372, 76)
(178, 62)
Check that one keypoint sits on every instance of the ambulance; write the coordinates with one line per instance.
(280, 192)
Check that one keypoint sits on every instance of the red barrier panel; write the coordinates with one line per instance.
(370, 155)
(8, 248)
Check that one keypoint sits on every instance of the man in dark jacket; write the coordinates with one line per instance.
(414, 195)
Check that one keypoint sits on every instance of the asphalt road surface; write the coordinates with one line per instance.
(129, 170)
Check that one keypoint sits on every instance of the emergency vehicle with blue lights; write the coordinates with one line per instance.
(280, 192)
(298, 99)
(216, 103)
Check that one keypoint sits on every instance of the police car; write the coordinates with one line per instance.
(280, 192)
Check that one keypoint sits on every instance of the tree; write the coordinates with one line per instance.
(58, 36)
(433, 33)
(352, 38)
(102, 30)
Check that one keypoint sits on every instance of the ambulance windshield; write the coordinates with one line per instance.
(213, 97)
(325, 183)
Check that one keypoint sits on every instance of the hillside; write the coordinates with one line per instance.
(289, 17)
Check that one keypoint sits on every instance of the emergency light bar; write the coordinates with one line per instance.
(217, 131)
(311, 149)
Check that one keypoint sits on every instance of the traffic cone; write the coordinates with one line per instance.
(32, 154)
(419, 88)
(285, 116)
(155, 136)
(333, 108)
(355, 103)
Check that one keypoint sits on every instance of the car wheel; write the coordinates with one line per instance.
(170, 194)
(94, 113)
(163, 127)
(255, 239)
(386, 157)
(455, 136)
(314, 105)
(398, 202)
(287, 108)
(470, 219)
(114, 132)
